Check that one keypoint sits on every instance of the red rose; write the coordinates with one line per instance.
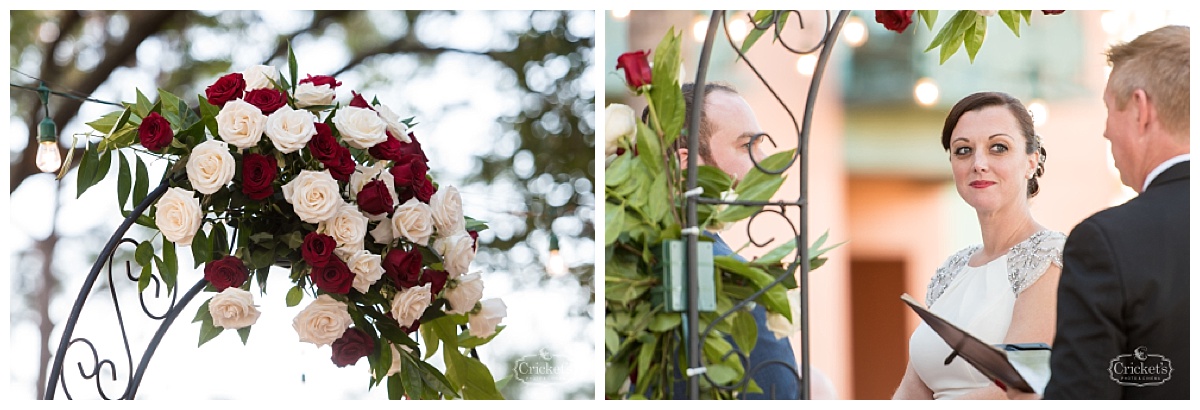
(402, 268)
(258, 175)
(413, 148)
(335, 277)
(321, 80)
(1052, 12)
(437, 278)
(474, 240)
(226, 89)
(155, 132)
(353, 345)
(318, 248)
(375, 198)
(423, 190)
(637, 68)
(387, 150)
(323, 146)
(894, 20)
(266, 99)
(408, 171)
(359, 101)
(341, 165)
(226, 272)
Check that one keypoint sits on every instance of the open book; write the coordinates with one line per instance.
(1022, 367)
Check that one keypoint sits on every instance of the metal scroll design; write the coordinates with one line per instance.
(775, 209)
(98, 366)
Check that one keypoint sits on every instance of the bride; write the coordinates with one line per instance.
(1003, 290)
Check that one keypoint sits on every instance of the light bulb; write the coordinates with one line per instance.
(555, 264)
(855, 32)
(1040, 111)
(48, 158)
(620, 14)
(926, 92)
(700, 29)
(806, 64)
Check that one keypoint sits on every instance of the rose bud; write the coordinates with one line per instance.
(894, 20)
(637, 68)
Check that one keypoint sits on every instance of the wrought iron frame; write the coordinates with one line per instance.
(800, 263)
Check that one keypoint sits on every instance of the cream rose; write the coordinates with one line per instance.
(394, 125)
(210, 166)
(348, 227)
(483, 323)
(463, 293)
(178, 215)
(410, 304)
(309, 95)
(413, 221)
(395, 358)
(290, 130)
(383, 233)
(446, 205)
(322, 321)
(360, 127)
(233, 308)
(314, 196)
(620, 125)
(457, 252)
(367, 268)
(778, 324)
(241, 124)
(260, 76)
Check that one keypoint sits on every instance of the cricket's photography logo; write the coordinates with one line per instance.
(541, 368)
(1140, 369)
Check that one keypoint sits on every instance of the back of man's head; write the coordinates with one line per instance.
(1158, 62)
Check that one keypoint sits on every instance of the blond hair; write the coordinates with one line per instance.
(1159, 63)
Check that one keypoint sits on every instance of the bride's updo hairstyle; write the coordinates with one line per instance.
(981, 100)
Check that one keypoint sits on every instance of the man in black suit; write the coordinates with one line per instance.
(1123, 299)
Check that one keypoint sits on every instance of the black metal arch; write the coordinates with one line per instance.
(823, 47)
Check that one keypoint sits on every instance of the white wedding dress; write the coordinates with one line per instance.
(980, 301)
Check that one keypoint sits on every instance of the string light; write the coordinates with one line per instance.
(48, 158)
(556, 265)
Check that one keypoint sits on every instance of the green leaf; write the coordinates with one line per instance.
(665, 93)
(434, 379)
(208, 114)
(759, 17)
(430, 337)
(974, 37)
(613, 220)
(611, 340)
(170, 263)
(649, 149)
(244, 333)
(410, 376)
(645, 356)
(103, 166)
(776, 255)
(745, 331)
(202, 312)
(294, 296)
(123, 181)
(143, 253)
(665, 321)
(466, 341)
(207, 330)
(141, 183)
(930, 17)
(1026, 14)
(107, 121)
(87, 170)
(952, 29)
(144, 278)
(713, 180)
(395, 387)
(292, 68)
(220, 240)
(774, 299)
(949, 48)
(143, 107)
(201, 248)
(1012, 19)
(619, 170)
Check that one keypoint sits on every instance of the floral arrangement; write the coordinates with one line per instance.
(644, 340)
(966, 29)
(274, 171)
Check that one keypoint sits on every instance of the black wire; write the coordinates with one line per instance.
(59, 93)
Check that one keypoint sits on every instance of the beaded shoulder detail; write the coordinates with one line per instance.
(947, 272)
(1028, 260)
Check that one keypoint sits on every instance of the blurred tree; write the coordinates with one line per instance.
(543, 150)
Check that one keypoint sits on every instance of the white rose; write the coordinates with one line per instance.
(446, 204)
(413, 221)
(779, 324)
(233, 308)
(383, 233)
(210, 166)
(309, 94)
(313, 195)
(620, 125)
(483, 323)
(410, 304)
(367, 268)
(395, 359)
(463, 293)
(457, 252)
(260, 76)
(322, 321)
(348, 227)
(394, 125)
(360, 127)
(178, 215)
(290, 130)
(986, 13)
(241, 124)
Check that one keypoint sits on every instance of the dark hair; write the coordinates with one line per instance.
(982, 100)
(706, 127)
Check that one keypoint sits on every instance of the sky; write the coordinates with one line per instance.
(453, 107)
